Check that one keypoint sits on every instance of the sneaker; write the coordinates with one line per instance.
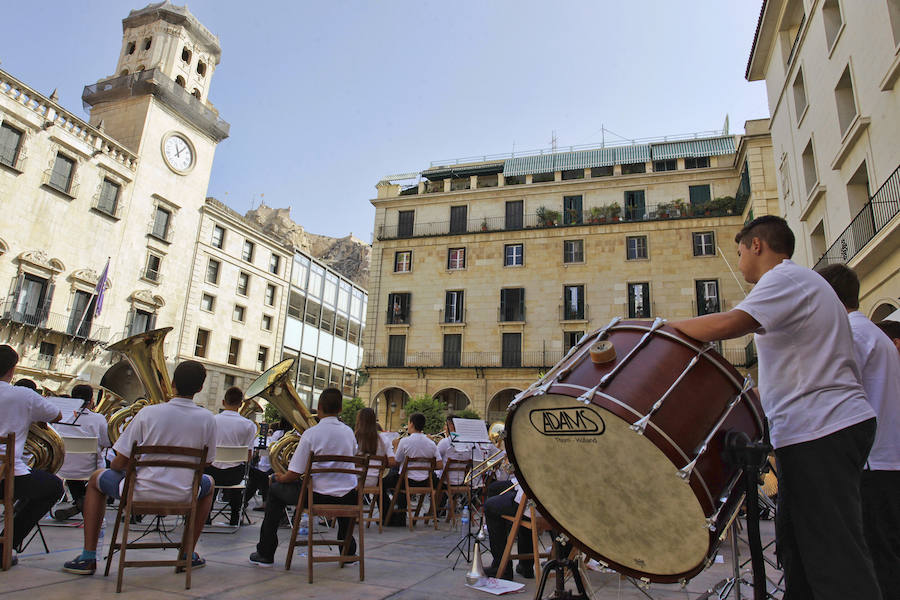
(64, 514)
(261, 561)
(196, 562)
(81, 566)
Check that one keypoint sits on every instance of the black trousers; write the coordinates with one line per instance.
(881, 523)
(818, 526)
(284, 496)
(78, 489)
(229, 476)
(498, 527)
(390, 482)
(257, 481)
(35, 494)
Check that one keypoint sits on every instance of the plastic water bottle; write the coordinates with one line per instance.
(304, 525)
(464, 517)
(102, 532)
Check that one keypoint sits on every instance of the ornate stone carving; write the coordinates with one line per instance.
(147, 297)
(39, 258)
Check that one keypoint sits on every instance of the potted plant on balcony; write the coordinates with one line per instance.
(484, 225)
(547, 217)
(613, 211)
(680, 208)
(596, 215)
(663, 209)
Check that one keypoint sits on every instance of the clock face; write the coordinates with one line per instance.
(178, 153)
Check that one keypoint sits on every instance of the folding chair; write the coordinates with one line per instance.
(379, 463)
(7, 476)
(75, 446)
(537, 525)
(143, 456)
(229, 454)
(358, 466)
(426, 489)
(452, 483)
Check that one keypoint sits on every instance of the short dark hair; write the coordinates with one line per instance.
(189, 377)
(891, 328)
(233, 396)
(844, 282)
(8, 359)
(83, 392)
(331, 402)
(25, 382)
(418, 421)
(774, 231)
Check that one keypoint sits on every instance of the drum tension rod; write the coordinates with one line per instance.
(657, 323)
(600, 335)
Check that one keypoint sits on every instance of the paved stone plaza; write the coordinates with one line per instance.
(399, 564)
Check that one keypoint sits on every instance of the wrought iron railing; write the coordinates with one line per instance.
(66, 324)
(874, 216)
(530, 359)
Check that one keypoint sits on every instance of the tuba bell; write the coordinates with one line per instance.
(45, 447)
(144, 352)
(120, 387)
(275, 386)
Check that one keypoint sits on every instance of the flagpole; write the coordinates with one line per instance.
(97, 291)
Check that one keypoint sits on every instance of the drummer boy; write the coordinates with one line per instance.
(820, 422)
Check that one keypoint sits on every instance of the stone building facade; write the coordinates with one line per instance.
(831, 69)
(484, 273)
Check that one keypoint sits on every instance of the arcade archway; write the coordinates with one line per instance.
(497, 406)
(388, 406)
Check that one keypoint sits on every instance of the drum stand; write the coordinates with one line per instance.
(558, 566)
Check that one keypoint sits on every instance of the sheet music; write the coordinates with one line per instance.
(67, 406)
(389, 437)
(470, 430)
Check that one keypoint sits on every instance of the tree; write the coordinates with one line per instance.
(466, 413)
(434, 411)
(351, 407)
(271, 413)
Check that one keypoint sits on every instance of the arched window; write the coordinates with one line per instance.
(124, 72)
(139, 68)
(147, 42)
(201, 68)
(186, 55)
(196, 93)
(180, 80)
(130, 48)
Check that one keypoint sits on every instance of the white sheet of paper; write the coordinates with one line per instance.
(470, 430)
(389, 437)
(67, 406)
(496, 587)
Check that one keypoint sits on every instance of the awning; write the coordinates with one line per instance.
(582, 159)
(694, 148)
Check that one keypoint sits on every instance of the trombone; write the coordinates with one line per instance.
(485, 465)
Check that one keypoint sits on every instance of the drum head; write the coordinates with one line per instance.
(609, 487)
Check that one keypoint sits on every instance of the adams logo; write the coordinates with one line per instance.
(577, 420)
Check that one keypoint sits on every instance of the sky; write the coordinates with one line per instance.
(326, 98)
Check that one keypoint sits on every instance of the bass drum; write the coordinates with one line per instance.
(620, 445)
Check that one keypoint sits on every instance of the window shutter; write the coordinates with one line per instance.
(631, 302)
(129, 321)
(14, 294)
(521, 314)
(152, 322)
(47, 298)
(701, 301)
(646, 293)
(503, 294)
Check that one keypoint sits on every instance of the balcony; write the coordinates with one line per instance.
(529, 359)
(568, 312)
(64, 324)
(720, 207)
(874, 216)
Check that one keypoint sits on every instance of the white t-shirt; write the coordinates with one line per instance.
(233, 430)
(264, 463)
(328, 436)
(417, 445)
(459, 451)
(178, 422)
(19, 408)
(384, 449)
(879, 366)
(89, 424)
(808, 380)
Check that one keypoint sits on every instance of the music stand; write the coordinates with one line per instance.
(473, 432)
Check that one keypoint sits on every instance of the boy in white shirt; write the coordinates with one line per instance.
(232, 430)
(414, 445)
(820, 422)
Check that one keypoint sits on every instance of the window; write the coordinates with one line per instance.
(572, 214)
(234, 351)
(452, 350)
(270, 295)
(180, 81)
(398, 309)
(10, 144)
(403, 261)
(46, 354)
(147, 42)
(635, 209)
(151, 270)
(218, 237)
(810, 176)
(316, 279)
(396, 350)
(161, 219)
(831, 14)
(186, 55)
(696, 162)
(82, 314)
(208, 302)
(456, 258)
(61, 175)
(514, 180)
(141, 321)
(707, 297)
(570, 339)
(799, 88)
(638, 300)
(669, 164)
(247, 251)
(243, 284)
(511, 355)
(699, 194)
(636, 247)
(458, 219)
(632, 168)
(704, 243)
(573, 309)
(130, 48)
(262, 358)
(405, 220)
(513, 255)
(512, 304)
(453, 307)
(229, 381)
(212, 271)
(573, 251)
(846, 104)
(201, 68)
(33, 299)
(108, 201)
(514, 214)
(295, 304)
(239, 313)
(313, 312)
(274, 264)
(606, 171)
(202, 343)
(573, 174)
(542, 177)
(266, 324)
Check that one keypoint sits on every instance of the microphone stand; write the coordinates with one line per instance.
(464, 545)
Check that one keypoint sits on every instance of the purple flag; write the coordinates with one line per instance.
(101, 288)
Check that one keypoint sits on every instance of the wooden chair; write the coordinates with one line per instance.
(75, 446)
(379, 463)
(7, 476)
(192, 459)
(229, 454)
(537, 525)
(452, 483)
(427, 489)
(357, 466)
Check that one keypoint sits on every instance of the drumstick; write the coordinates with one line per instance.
(728, 264)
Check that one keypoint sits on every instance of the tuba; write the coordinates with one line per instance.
(275, 386)
(119, 388)
(144, 352)
(45, 447)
